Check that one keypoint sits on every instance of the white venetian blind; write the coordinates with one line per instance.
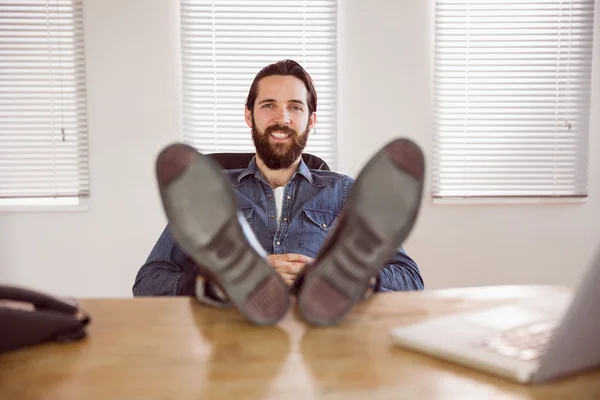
(43, 132)
(512, 97)
(226, 43)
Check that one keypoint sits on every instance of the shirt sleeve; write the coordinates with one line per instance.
(401, 273)
(169, 271)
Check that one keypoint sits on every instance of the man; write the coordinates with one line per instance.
(250, 237)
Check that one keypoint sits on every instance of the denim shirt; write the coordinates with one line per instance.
(312, 201)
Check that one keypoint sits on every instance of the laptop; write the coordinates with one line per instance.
(533, 341)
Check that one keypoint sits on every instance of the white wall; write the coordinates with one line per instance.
(133, 87)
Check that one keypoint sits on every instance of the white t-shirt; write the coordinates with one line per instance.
(278, 193)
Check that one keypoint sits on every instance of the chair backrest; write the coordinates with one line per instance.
(241, 160)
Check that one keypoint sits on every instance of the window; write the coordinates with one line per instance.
(43, 128)
(512, 97)
(224, 45)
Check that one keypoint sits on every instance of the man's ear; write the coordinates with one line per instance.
(248, 117)
(312, 120)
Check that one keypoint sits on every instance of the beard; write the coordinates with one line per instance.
(279, 155)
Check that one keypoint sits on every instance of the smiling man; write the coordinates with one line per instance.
(250, 237)
(280, 122)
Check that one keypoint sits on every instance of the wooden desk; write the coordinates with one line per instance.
(174, 348)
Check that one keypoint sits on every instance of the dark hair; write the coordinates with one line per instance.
(286, 68)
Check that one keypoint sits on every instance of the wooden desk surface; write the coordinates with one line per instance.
(174, 348)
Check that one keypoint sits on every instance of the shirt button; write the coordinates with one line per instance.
(272, 217)
(324, 225)
(278, 243)
(289, 197)
(270, 196)
(285, 219)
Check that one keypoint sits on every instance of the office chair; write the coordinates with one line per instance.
(241, 160)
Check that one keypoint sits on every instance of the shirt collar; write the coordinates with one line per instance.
(304, 171)
(253, 170)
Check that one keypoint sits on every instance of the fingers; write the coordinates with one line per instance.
(288, 278)
(288, 267)
(299, 258)
(291, 257)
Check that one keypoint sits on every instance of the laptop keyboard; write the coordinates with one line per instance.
(525, 343)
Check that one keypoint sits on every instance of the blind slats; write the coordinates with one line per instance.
(43, 121)
(226, 43)
(511, 100)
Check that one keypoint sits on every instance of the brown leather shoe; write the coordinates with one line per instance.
(379, 214)
(203, 218)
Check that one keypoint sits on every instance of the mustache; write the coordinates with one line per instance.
(282, 128)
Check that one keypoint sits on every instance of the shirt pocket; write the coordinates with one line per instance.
(316, 224)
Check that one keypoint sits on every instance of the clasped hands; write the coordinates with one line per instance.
(289, 265)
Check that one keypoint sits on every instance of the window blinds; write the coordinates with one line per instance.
(43, 128)
(512, 97)
(226, 43)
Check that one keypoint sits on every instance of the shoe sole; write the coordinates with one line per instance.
(203, 218)
(379, 214)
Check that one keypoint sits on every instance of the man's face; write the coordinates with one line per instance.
(280, 120)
